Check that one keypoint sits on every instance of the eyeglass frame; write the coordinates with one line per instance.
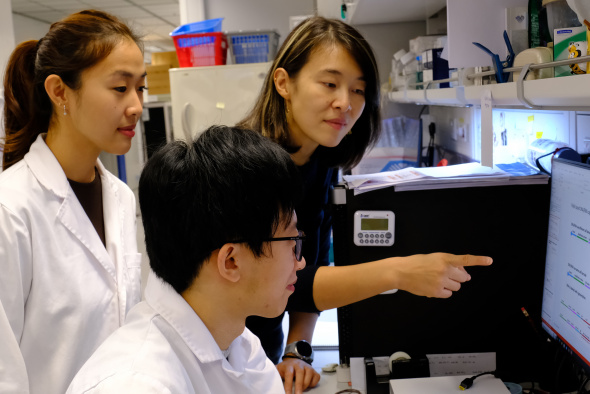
(298, 251)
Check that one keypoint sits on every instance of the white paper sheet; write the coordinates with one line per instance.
(486, 384)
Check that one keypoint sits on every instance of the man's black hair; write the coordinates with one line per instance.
(229, 184)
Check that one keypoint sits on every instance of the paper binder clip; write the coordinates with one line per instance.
(499, 65)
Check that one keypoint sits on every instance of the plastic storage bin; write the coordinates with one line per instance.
(200, 44)
(207, 26)
(253, 46)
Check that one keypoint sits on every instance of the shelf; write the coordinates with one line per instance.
(361, 12)
(551, 93)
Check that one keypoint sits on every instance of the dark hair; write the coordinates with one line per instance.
(71, 46)
(229, 184)
(268, 115)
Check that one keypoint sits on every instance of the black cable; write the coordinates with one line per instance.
(430, 150)
(420, 142)
(421, 111)
(468, 382)
(538, 160)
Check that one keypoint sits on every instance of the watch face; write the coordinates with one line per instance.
(304, 348)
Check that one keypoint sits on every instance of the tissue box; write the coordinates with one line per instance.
(570, 43)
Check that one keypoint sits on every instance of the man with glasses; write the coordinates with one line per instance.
(222, 239)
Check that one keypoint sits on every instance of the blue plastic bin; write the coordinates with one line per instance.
(207, 26)
(253, 46)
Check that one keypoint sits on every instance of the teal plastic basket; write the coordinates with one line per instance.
(253, 46)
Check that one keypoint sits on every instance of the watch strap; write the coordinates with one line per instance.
(291, 355)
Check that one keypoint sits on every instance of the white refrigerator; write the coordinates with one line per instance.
(205, 96)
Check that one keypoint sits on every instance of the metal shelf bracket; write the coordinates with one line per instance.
(520, 88)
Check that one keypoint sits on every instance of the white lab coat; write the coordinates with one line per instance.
(164, 347)
(62, 292)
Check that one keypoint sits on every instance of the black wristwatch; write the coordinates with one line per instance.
(301, 350)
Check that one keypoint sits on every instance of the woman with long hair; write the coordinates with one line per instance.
(68, 249)
(320, 101)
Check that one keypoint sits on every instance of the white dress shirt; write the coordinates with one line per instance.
(61, 290)
(164, 347)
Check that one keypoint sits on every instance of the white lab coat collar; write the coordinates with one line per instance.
(49, 173)
(179, 314)
(46, 168)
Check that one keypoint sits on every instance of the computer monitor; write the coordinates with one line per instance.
(566, 292)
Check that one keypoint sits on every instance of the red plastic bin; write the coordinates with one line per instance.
(201, 49)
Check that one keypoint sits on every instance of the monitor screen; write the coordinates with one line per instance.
(566, 292)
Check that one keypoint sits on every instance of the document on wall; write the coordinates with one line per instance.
(423, 178)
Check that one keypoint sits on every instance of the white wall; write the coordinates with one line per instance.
(451, 124)
(28, 29)
(258, 14)
(388, 38)
(6, 47)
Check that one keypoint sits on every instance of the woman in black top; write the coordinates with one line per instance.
(320, 101)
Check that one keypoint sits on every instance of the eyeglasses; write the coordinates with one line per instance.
(297, 250)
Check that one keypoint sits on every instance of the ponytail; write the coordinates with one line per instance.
(71, 46)
(26, 105)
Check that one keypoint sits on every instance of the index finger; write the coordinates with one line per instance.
(299, 377)
(470, 260)
(289, 380)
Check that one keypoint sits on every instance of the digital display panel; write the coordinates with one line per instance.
(375, 224)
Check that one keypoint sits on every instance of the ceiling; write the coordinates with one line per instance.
(154, 19)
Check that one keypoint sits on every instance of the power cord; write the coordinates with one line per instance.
(430, 149)
(468, 382)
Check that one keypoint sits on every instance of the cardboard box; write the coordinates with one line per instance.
(165, 58)
(570, 43)
(158, 79)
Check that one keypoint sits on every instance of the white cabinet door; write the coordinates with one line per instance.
(205, 96)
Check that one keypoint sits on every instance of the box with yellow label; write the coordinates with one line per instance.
(570, 43)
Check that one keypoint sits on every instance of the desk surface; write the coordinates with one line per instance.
(328, 384)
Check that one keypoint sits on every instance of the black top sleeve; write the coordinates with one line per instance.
(314, 219)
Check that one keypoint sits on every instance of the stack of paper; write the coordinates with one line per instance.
(460, 175)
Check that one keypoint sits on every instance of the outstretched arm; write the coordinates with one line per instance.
(430, 275)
